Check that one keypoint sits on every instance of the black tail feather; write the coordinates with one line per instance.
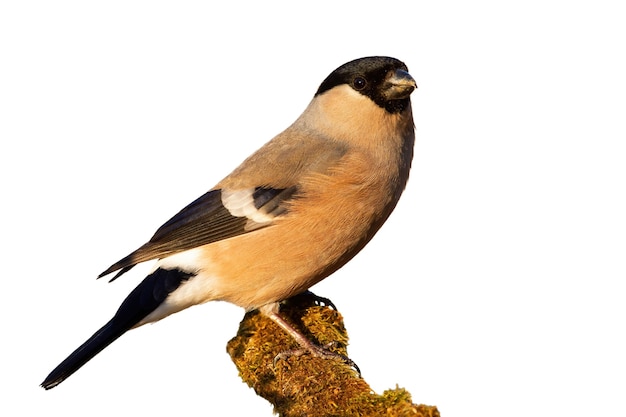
(96, 343)
(142, 301)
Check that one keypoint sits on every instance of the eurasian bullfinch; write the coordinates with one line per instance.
(290, 215)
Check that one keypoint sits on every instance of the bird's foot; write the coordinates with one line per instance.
(311, 298)
(318, 352)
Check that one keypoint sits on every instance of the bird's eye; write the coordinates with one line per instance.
(359, 83)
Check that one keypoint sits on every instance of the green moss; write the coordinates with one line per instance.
(305, 385)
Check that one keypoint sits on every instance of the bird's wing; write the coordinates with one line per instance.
(217, 215)
(239, 204)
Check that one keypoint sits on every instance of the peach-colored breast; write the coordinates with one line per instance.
(323, 230)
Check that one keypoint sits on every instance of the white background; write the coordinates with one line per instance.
(495, 289)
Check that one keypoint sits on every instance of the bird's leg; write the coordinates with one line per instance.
(271, 311)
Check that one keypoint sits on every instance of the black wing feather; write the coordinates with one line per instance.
(204, 221)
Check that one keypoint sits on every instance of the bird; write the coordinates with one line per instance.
(294, 212)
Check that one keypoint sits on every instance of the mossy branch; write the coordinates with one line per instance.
(304, 385)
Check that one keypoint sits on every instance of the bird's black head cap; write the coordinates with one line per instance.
(369, 76)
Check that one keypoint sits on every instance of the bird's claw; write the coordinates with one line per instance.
(313, 299)
(319, 352)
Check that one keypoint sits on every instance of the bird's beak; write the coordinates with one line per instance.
(398, 85)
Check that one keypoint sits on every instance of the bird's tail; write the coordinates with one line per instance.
(94, 345)
(142, 301)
